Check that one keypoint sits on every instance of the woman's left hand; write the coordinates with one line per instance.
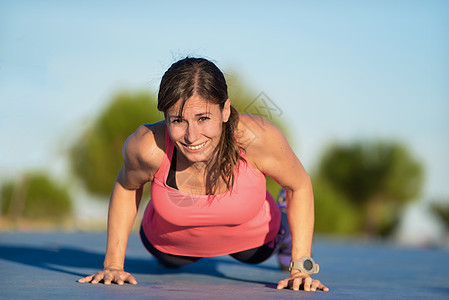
(297, 280)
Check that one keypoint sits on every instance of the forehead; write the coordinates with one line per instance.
(193, 105)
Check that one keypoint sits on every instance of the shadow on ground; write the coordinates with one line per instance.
(47, 266)
(61, 258)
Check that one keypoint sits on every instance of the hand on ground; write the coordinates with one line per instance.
(299, 280)
(107, 276)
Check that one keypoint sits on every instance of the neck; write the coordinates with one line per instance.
(207, 172)
(198, 166)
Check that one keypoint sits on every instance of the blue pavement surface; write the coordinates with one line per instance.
(48, 265)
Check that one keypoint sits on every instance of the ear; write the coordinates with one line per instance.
(226, 112)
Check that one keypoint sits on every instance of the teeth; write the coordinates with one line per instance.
(196, 147)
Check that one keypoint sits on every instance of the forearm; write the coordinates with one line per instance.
(300, 211)
(122, 213)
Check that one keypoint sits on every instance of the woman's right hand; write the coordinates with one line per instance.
(108, 276)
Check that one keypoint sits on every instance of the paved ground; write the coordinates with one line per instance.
(47, 266)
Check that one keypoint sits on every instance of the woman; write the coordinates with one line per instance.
(207, 165)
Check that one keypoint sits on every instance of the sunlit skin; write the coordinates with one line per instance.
(197, 131)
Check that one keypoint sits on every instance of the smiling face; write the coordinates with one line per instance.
(197, 131)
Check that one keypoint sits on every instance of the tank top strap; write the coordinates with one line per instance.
(168, 145)
(162, 172)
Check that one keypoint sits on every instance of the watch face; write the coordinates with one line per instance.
(308, 265)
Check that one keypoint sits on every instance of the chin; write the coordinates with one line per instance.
(205, 155)
(198, 157)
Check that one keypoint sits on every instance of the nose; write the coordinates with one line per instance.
(192, 134)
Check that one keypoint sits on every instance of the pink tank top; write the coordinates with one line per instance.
(200, 225)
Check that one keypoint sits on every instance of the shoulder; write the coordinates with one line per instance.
(255, 131)
(261, 139)
(143, 152)
(146, 139)
(268, 150)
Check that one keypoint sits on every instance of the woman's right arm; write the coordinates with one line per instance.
(122, 212)
(138, 167)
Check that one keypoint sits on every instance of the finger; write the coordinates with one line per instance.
(315, 284)
(125, 277)
(307, 283)
(323, 287)
(108, 278)
(297, 283)
(97, 278)
(131, 279)
(86, 279)
(282, 284)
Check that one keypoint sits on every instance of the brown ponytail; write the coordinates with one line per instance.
(229, 150)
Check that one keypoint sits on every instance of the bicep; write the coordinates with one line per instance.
(136, 169)
(278, 161)
(131, 179)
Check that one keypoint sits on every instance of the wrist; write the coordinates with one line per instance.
(298, 253)
(305, 265)
(113, 267)
(298, 272)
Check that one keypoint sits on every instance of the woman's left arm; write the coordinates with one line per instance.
(272, 155)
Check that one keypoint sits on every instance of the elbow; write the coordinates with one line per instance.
(302, 191)
(303, 184)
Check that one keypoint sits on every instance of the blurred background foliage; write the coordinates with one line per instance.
(36, 197)
(362, 187)
(359, 188)
(440, 208)
(96, 157)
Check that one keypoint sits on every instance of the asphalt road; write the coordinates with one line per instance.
(48, 265)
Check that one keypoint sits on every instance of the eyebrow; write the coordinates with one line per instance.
(202, 114)
(196, 115)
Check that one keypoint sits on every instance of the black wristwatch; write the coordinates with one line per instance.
(305, 265)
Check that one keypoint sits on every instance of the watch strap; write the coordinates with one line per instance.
(298, 264)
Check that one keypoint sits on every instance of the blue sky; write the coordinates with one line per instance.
(339, 70)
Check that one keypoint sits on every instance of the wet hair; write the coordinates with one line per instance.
(198, 76)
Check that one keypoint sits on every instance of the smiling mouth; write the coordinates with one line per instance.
(197, 147)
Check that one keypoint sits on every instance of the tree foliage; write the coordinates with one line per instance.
(35, 197)
(372, 179)
(96, 157)
(441, 209)
(334, 212)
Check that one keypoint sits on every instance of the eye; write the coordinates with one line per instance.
(176, 121)
(204, 118)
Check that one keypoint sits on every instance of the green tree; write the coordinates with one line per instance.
(96, 157)
(35, 197)
(441, 209)
(374, 180)
(334, 212)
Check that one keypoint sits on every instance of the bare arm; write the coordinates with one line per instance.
(140, 162)
(272, 155)
(123, 208)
